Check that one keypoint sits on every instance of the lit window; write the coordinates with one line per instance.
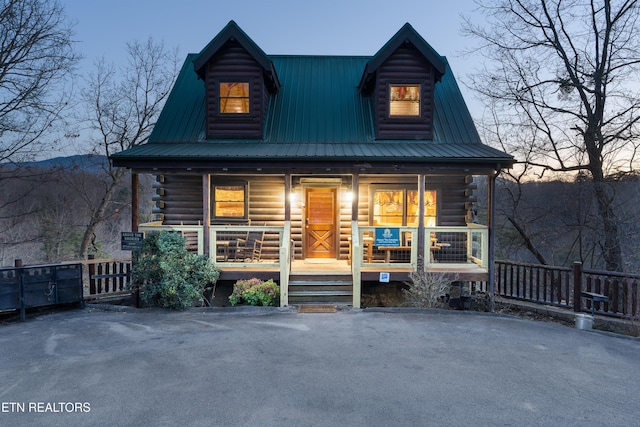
(404, 100)
(229, 201)
(399, 207)
(429, 208)
(388, 207)
(234, 98)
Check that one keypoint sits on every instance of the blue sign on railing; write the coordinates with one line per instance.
(387, 237)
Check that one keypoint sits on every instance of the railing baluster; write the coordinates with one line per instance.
(92, 272)
(567, 289)
(614, 304)
(633, 298)
(99, 281)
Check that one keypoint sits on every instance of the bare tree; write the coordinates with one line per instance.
(121, 109)
(561, 89)
(36, 60)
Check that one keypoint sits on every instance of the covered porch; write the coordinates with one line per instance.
(245, 251)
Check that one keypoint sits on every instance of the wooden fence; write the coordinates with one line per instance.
(566, 287)
(106, 277)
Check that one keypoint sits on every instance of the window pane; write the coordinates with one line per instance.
(229, 201)
(404, 100)
(388, 207)
(429, 208)
(234, 90)
(234, 98)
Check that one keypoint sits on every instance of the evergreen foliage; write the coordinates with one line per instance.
(167, 275)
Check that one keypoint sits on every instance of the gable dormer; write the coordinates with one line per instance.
(400, 82)
(239, 80)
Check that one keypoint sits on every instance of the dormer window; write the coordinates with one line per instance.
(234, 98)
(404, 101)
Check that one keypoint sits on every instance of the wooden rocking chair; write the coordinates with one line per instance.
(250, 248)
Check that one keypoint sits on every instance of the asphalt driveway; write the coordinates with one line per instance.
(282, 368)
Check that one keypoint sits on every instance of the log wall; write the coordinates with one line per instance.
(179, 202)
(234, 64)
(405, 65)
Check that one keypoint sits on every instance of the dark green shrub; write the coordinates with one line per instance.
(167, 275)
(255, 292)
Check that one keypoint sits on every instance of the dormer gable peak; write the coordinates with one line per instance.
(233, 33)
(406, 35)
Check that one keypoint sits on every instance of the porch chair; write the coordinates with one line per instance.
(227, 241)
(250, 248)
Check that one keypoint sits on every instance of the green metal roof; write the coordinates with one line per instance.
(318, 113)
(319, 103)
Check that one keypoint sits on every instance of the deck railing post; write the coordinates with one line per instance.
(92, 272)
(577, 286)
(18, 264)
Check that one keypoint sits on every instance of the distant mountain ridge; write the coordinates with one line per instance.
(81, 161)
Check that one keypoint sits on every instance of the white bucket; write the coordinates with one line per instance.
(584, 321)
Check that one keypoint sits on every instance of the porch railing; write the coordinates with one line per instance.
(232, 245)
(450, 246)
(246, 246)
(405, 254)
(193, 233)
(457, 246)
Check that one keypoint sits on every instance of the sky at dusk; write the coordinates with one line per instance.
(322, 27)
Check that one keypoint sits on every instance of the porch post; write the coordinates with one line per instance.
(420, 265)
(355, 190)
(356, 255)
(490, 220)
(286, 247)
(135, 214)
(287, 197)
(206, 212)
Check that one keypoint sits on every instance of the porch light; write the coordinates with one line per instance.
(292, 197)
(348, 196)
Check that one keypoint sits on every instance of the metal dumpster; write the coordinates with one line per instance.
(37, 286)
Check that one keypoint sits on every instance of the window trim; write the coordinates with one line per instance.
(404, 116)
(225, 183)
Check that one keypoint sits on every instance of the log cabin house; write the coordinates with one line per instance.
(321, 172)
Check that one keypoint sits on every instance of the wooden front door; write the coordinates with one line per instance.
(320, 222)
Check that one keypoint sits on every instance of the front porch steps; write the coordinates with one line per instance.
(320, 289)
